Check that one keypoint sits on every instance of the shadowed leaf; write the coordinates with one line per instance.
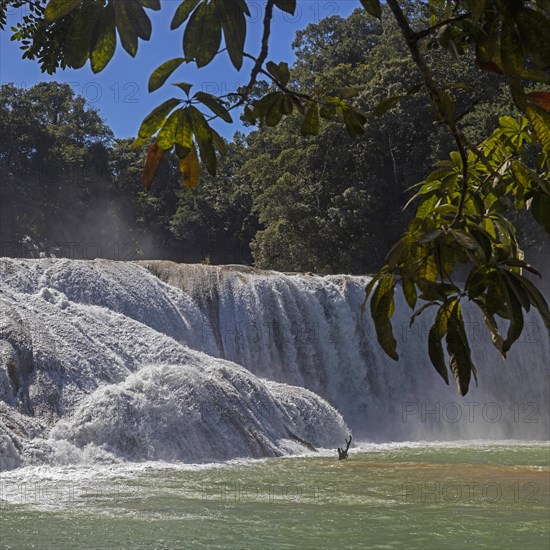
(286, 5)
(183, 12)
(59, 8)
(215, 105)
(382, 307)
(373, 7)
(311, 123)
(203, 35)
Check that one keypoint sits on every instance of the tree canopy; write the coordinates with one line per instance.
(462, 222)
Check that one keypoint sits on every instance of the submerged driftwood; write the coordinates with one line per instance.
(343, 453)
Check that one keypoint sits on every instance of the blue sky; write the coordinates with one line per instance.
(120, 93)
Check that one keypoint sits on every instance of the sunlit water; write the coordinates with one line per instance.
(417, 495)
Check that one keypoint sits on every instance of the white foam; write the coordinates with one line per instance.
(112, 379)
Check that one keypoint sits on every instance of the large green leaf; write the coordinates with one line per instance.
(218, 142)
(516, 322)
(459, 350)
(183, 12)
(203, 35)
(373, 7)
(511, 49)
(491, 324)
(518, 290)
(435, 349)
(167, 135)
(200, 127)
(59, 8)
(354, 121)
(370, 287)
(190, 169)
(184, 134)
(428, 268)
(104, 43)
(263, 105)
(540, 120)
(215, 105)
(138, 18)
(382, 307)
(281, 72)
(79, 38)
(162, 73)
(126, 31)
(275, 112)
(234, 30)
(203, 133)
(535, 297)
(409, 291)
(477, 282)
(534, 30)
(185, 86)
(154, 120)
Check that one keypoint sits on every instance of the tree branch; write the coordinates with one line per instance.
(426, 32)
(260, 60)
(412, 39)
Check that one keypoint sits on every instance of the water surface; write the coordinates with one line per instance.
(407, 495)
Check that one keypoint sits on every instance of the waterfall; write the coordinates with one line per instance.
(308, 331)
(152, 360)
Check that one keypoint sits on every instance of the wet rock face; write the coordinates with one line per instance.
(16, 431)
(16, 358)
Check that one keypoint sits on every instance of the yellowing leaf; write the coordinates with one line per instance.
(540, 120)
(162, 73)
(105, 44)
(540, 99)
(152, 164)
(190, 169)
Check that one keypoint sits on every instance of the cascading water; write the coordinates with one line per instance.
(107, 361)
(308, 331)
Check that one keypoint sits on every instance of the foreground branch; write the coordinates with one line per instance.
(412, 39)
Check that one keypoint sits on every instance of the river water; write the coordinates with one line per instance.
(458, 495)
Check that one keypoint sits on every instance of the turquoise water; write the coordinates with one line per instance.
(463, 495)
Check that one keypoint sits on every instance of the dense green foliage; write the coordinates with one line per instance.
(278, 201)
(463, 223)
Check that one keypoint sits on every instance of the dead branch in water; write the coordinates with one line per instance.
(343, 453)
